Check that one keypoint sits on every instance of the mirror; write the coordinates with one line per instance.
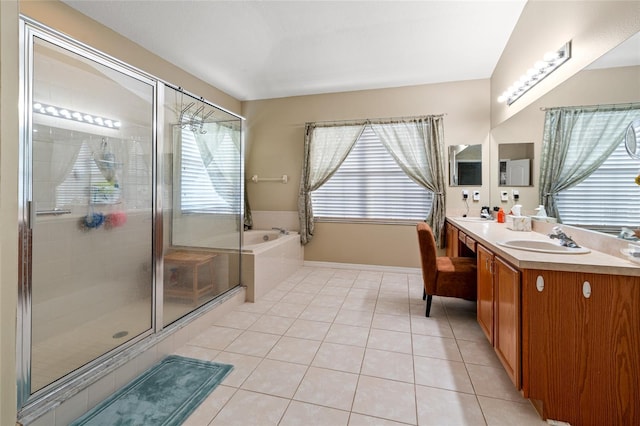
(612, 79)
(465, 165)
(514, 164)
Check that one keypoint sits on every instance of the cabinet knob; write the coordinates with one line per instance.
(586, 289)
(540, 283)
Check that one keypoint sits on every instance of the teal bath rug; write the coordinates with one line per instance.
(166, 394)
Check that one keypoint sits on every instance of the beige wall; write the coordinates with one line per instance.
(275, 142)
(8, 207)
(593, 26)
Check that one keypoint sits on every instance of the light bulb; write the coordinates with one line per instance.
(550, 56)
(540, 65)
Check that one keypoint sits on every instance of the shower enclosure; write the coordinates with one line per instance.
(131, 211)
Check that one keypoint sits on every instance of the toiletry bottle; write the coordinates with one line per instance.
(501, 215)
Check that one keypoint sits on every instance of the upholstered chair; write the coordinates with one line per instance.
(444, 276)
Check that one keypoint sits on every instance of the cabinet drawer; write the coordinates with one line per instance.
(471, 243)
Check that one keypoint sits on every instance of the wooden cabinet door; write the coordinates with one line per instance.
(582, 356)
(485, 291)
(452, 241)
(506, 337)
(552, 320)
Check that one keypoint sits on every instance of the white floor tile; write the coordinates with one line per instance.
(291, 349)
(443, 374)
(275, 378)
(388, 399)
(388, 365)
(337, 347)
(339, 357)
(301, 413)
(444, 407)
(251, 408)
(329, 388)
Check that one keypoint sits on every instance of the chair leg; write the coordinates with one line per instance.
(429, 297)
(424, 294)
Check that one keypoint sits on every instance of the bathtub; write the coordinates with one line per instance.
(257, 239)
(268, 258)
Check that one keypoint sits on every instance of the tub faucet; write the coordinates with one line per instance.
(283, 231)
(564, 239)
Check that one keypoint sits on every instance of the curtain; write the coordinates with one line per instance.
(576, 141)
(225, 179)
(325, 148)
(417, 145)
(63, 157)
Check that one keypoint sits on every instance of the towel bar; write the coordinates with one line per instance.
(282, 179)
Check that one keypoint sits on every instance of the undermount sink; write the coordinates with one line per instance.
(542, 247)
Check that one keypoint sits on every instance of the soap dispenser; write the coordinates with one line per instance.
(541, 211)
(501, 216)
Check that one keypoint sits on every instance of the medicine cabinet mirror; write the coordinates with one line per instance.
(514, 164)
(465, 165)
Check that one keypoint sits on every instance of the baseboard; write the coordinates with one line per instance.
(362, 267)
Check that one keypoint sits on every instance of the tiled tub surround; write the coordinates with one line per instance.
(352, 347)
(268, 263)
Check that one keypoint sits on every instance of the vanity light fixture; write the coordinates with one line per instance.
(537, 73)
(81, 117)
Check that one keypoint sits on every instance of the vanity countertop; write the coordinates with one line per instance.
(489, 233)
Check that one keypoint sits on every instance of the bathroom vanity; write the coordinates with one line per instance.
(566, 327)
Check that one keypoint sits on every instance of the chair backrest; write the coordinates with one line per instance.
(427, 243)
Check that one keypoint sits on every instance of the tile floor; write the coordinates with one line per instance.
(347, 347)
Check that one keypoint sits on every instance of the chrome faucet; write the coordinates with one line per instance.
(283, 231)
(564, 239)
(485, 213)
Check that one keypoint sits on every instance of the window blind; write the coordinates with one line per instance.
(198, 193)
(370, 185)
(608, 198)
(133, 172)
(74, 191)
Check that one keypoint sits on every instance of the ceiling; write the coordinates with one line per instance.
(269, 49)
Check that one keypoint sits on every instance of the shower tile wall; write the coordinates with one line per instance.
(75, 317)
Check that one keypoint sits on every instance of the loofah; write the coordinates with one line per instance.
(116, 219)
(92, 221)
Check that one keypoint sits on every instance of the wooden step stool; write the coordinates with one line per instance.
(189, 259)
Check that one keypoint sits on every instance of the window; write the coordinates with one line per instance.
(211, 188)
(608, 199)
(85, 184)
(370, 185)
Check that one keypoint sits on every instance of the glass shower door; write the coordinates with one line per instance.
(202, 195)
(91, 209)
